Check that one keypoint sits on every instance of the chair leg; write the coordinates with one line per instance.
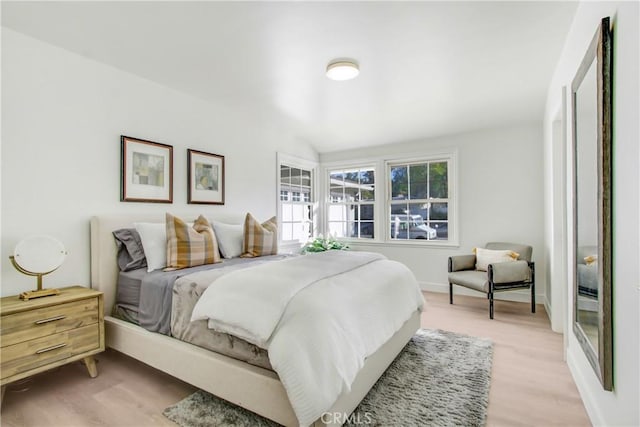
(450, 293)
(533, 297)
(490, 305)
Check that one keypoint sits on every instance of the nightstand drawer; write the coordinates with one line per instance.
(32, 354)
(28, 325)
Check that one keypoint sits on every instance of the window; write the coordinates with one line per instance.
(419, 205)
(296, 202)
(351, 203)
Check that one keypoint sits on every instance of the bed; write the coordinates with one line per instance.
(255, 388)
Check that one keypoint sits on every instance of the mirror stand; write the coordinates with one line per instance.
(38, 293)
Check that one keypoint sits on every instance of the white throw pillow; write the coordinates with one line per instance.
(154, 242)
(484, 257)
(230, 238)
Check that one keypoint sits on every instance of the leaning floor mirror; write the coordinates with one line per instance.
(592, 264)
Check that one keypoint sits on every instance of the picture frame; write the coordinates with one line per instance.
(146, 171)
(205, 178)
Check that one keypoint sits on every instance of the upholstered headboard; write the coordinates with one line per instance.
(104, 263)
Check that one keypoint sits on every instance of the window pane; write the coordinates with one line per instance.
(399, 226)
(336, 194)
(438, 180)
(296, 176)
(351, 194)
(306, 231)
(399, 182)
(413, 225)
(351, 179)
(306, 194)
(306, 178)
(399, 208)
(367, 195)
(287, 212)
(287, 231)
(301, 231)
(298, 213)
(439, 211)
(442, 229)
(418, 181)
(352, 229)
(366, 212)
(285, 174)
(366, 230)
(336, 178)
(419, 210)
(337, 213)
(367, 177)
(337, 229)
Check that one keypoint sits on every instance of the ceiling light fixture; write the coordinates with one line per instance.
(342, 69)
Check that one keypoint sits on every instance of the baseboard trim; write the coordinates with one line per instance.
(517, 296)
(588, 400)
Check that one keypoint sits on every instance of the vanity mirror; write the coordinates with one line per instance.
(592, 290)
(38, 256)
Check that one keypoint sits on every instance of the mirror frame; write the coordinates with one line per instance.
(600, 50)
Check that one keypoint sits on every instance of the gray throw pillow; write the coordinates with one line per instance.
(130, 252)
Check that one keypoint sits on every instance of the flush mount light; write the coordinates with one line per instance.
(342, 69)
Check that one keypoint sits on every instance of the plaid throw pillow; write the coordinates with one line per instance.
(259, 239)
(190, 246)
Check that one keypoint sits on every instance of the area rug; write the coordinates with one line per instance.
(439, 379)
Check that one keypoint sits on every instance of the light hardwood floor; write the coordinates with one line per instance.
(531, 385)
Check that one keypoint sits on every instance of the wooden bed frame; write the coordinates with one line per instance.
(256, 389)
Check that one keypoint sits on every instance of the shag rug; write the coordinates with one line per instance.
(439, 379)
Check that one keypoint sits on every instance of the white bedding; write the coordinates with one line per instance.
(319, 316)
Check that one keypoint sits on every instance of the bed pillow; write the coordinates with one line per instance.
(230, 238)
(130, 252)
(484, 257)
(154, 242)
(189, 246)
(259, 239)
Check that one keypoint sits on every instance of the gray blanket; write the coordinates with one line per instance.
(156, 293)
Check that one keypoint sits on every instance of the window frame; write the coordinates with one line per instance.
(327, 196)
(283, 159)
(451, 159)
(382, 205)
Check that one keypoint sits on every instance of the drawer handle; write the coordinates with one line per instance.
(50, 319)
(53, 347)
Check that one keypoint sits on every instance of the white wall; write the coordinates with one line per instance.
(62, 117)
(620, 407)
(500, 199)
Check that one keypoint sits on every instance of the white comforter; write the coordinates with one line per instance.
(319, 316)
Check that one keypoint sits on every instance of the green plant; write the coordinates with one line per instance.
(320, 244)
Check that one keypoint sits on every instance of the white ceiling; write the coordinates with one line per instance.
(427, 68)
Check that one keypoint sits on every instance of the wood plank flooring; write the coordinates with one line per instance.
(531, 385)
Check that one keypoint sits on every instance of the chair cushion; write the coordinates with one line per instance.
(511, 272)
(472, 279)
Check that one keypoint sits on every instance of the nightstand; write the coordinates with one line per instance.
(43, 333)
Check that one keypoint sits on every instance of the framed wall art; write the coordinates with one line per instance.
(205, 177)
(146, 171)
